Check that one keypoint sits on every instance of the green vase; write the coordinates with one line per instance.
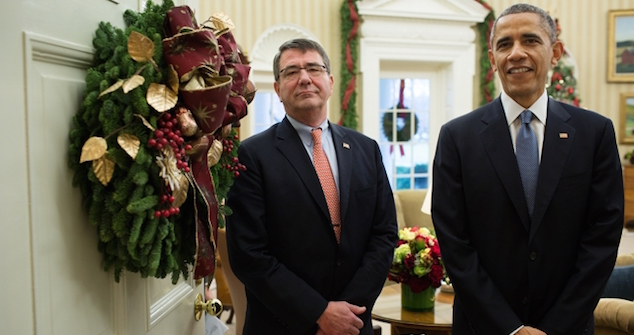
(421, 301)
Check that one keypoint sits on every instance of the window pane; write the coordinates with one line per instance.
(262, 103)
(388, 93)
(420, 183)
(403, 184)
(267, 111)
(404, 138)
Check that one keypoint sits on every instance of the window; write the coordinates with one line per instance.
(267, 110)
(404, 115)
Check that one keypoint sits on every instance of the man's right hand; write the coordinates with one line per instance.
(340, 318)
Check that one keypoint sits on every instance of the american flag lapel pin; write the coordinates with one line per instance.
(563, 135)
(346, 145)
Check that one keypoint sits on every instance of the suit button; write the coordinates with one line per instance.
(533, 256)
(524, 300)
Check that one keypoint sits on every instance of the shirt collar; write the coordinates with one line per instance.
(304, 131)
(512, 109)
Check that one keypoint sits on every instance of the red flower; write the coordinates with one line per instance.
(409, 262)
(436, 274)
(419, 284)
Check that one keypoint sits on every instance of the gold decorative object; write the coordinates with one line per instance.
(180, 194)
(145, 122)
(186, 122)
(112, 88)
(214, 153)
(160, 97)
(212, 307)
(132, 83)
(172, 79)
(222, 21)
(104, 169)
(196, 82)
(94, 148)
(129, 143)
(141, 48)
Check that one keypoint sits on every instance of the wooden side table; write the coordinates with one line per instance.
(435, 322)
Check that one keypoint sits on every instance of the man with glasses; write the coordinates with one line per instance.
(313, 228)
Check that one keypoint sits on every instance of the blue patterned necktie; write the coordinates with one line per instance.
(527, 159)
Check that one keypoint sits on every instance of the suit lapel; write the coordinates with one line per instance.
(499, 148)
(290, 145)
(558, 139)
(344, 162)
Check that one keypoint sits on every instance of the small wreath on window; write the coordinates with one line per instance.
(403, 129)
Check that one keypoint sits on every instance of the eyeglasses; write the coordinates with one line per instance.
(292, 72)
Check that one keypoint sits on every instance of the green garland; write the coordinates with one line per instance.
(349, 43)
(224, 172)
(487, 84)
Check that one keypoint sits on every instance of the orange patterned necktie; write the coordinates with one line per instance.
(327, 181)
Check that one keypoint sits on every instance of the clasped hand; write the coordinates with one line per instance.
(340, 318)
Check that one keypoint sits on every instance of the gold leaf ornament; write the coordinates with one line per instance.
(180, 194)
(112, 88)
(145, 122)
(132, 83)
(94, 148)
(160, 97)
(130, 144)
(103, 169)
(172, 79)
(221, 21)
(214, 153)
(140, 47)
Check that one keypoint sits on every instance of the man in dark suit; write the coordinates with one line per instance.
(528, 207)
(310, 265)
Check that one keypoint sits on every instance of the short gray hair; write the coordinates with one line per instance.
(304, 45)
(546, 20)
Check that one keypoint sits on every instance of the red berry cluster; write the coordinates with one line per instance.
(167, 200)
(234, 165)
(169, 134)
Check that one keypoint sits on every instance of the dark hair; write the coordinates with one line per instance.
(304, 45)
(547, 22)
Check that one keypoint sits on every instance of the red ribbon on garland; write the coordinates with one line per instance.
(489, 71)
(349, 61)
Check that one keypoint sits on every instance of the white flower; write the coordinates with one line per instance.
(169, 171)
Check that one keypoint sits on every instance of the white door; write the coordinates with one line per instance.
(52, 277)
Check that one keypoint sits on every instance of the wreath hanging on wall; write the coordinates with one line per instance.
(403, 120)
(153, 146)
(403, 125)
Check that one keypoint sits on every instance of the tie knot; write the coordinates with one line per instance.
(316, 133)
(526, 116)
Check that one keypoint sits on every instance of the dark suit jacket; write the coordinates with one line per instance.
(508, 269)
(280, 239)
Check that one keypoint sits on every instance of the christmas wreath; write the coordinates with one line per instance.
(153, 146)
(403, 120)
(403, 125)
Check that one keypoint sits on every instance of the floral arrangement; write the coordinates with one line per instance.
(417, 261)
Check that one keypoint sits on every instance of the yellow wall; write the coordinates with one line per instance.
(584, 27)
